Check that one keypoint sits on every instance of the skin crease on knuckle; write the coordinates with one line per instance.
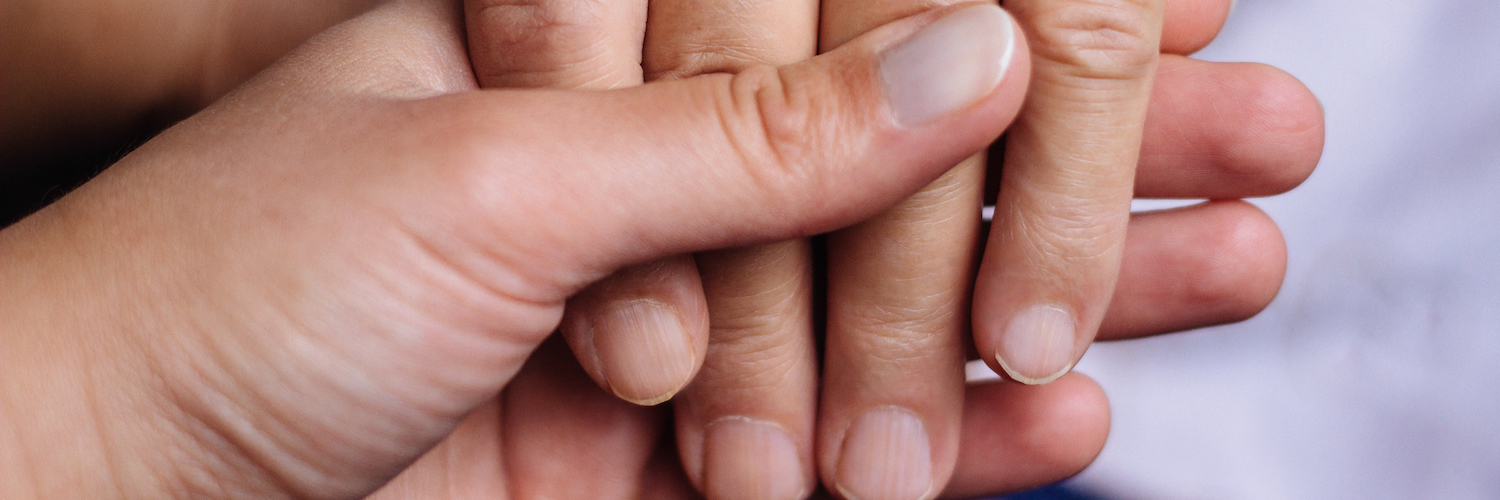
(898, 336)
(1094, 39)
(1075, 234)
(754, 332)
(766, 361)
(768, 124)
(544, 39)
(709, 58)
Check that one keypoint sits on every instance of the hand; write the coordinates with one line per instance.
(303, 288)
(84, 80)
(555, 434)
(899, 284)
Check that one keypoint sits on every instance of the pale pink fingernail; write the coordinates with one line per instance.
(644, 351)
(1037, 344)
(748, 459)
(887, 455)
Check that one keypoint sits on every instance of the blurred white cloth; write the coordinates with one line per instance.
(1376, 373)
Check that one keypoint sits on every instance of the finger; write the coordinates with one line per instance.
(1054, 253)
(1189, 25)
(555, 418)
(897, 328)
(556, 43)
(513, 201)
(1208, 264)
(1204, 265)
(1227, 130)
(609, 179)
(641, 333)
(898, 318)
(1224, 131)
(686, 38)
(1017, 437)
(719, 161)
(744, 426)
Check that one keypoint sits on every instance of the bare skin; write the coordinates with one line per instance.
(302, 289)
(900, 283)
(1230, 227)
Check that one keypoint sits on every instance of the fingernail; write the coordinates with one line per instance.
(886, 456)
(744, 458)
(1037, 345)
(644, 351)
(950, 63)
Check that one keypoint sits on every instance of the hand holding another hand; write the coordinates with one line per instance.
(301, 289)
(899, 284)
(306, 286)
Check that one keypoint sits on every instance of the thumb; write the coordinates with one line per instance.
(625, 176)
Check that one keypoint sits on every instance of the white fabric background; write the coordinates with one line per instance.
(1376, 373)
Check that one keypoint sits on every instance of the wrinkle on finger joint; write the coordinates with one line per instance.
(1094, 39)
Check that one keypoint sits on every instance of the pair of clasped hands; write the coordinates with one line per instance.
(341, 278)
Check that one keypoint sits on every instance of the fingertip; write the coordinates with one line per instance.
(1249, 264)
(641, 333)
(1274, 107)
(1286, 111)
(1017, 437)
(1228, 130)
(1209, 264)
(1064, 424)
(1079, 418)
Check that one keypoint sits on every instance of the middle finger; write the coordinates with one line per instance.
(898, 310)
(745, 424)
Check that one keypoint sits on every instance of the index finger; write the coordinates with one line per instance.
(1059, 231)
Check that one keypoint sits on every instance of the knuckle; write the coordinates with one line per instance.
(533, 24)
(773, 133)
(708, 56)
(902, 335)
(534, 39)
(1097, 39)
(764, 340)
(763, 351)
(1072, 233)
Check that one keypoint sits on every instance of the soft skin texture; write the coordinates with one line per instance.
(891, 296)
(1278, 118)
(300, 290)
